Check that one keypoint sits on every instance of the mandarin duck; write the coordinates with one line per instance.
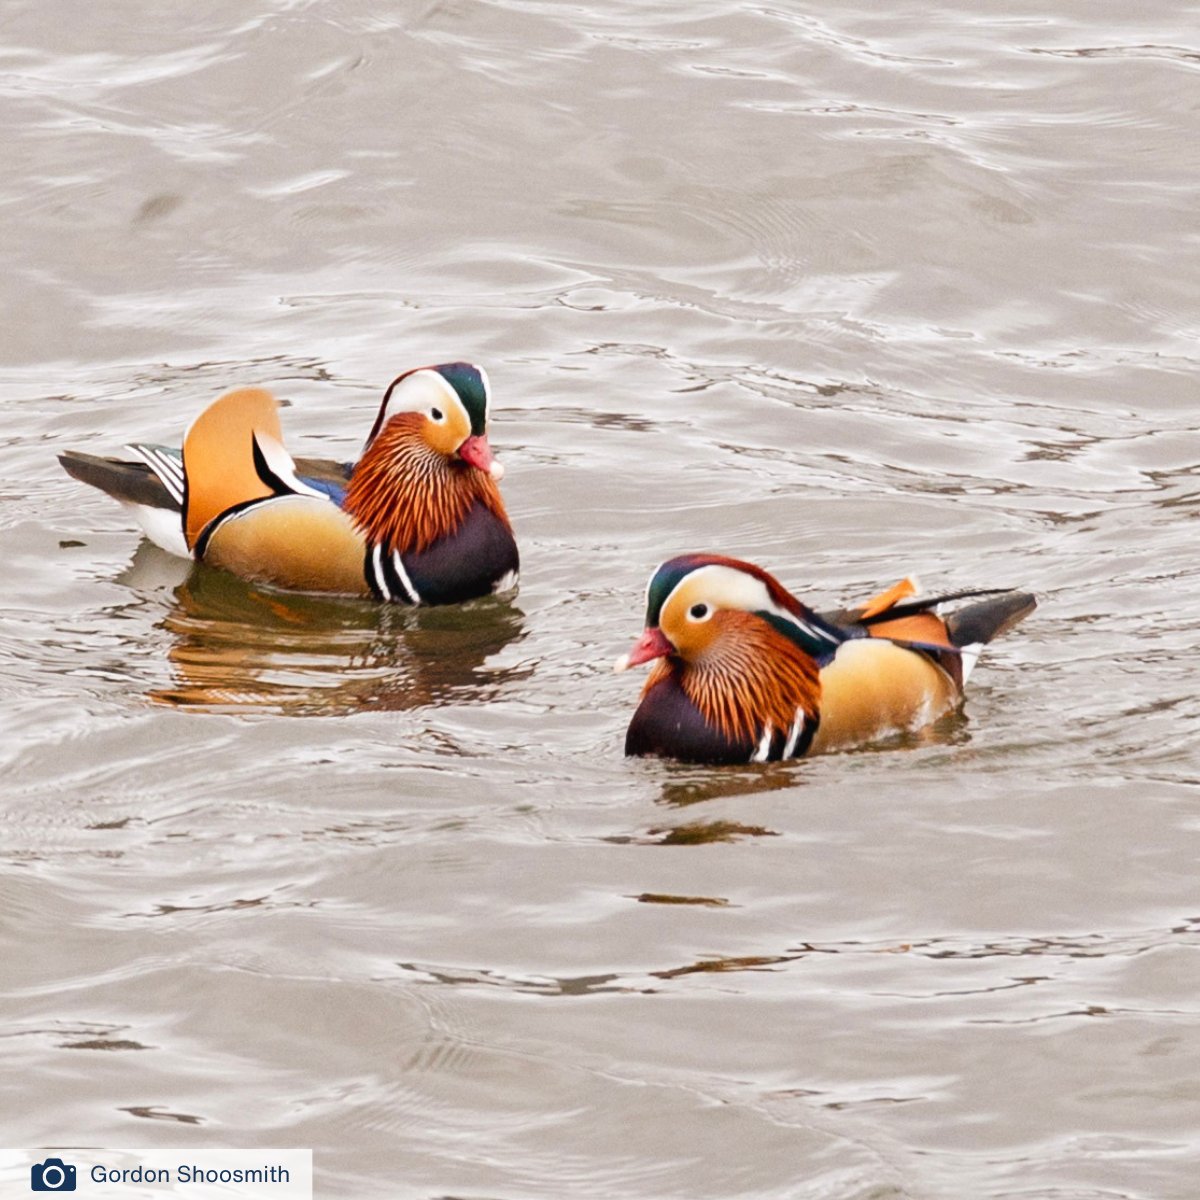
(418, 519)
(744, 672)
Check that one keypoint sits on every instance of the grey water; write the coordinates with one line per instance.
(850, 290)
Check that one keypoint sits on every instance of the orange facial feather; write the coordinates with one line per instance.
(405, 495)
(752, 677)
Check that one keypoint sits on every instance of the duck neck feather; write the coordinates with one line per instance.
(751, 679)
(404, 495)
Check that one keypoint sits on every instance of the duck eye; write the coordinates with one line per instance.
(698, 612)
(436, 414)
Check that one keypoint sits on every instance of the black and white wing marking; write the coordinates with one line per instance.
(166, 462)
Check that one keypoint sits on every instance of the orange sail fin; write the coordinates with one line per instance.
(887, 599)
(219, 456)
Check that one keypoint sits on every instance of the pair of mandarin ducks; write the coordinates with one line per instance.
(743, 671)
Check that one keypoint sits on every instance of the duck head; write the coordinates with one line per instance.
(699, 607)
(427, 462)
(737, 660)
(445, 408)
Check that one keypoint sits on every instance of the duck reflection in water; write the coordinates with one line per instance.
(683, 784)
(238, 645)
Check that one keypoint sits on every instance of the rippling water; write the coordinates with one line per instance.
(850, 291)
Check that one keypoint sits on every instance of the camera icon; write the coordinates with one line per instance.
(53, 1175)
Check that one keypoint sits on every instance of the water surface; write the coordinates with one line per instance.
(850, 292)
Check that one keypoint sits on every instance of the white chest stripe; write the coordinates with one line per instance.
(377, 568)
(395, 565)
(405, 582)
(764, 746)
(794, 736)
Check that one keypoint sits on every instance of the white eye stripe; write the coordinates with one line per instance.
(424, 391)
(728, 587)
(731, 588)
(487, 393)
